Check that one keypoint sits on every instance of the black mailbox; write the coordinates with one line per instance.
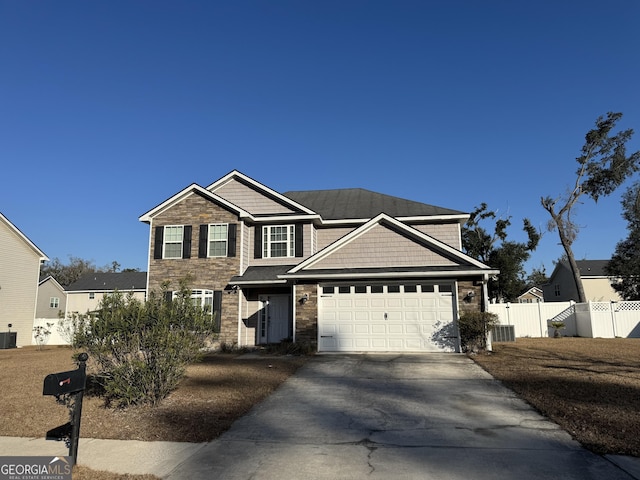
(64, 382)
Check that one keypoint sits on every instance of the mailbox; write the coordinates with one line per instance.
(64, 382)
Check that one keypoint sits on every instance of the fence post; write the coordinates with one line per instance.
(540, 318)
(613, 316)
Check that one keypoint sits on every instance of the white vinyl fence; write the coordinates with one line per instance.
(50, 324)
(592, 319)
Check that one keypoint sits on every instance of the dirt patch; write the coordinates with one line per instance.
(589, 386)
(214, 393)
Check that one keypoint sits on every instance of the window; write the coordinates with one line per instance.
(556, 289)
(218, 237)
(54, 302)
(92, 296)
(202, 298)
(173, 236)
(278, 241)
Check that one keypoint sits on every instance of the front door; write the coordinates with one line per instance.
(275, 318)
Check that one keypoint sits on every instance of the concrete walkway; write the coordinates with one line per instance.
(368, 416)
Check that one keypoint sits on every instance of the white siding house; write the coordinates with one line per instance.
(20, 262)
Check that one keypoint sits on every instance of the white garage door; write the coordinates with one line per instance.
(387, 318)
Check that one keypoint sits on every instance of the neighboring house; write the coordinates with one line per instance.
(52, 299)
(85, 294)
(343, 270)
(52, 302)
(533, 295)
(20, 262)
(596, 284)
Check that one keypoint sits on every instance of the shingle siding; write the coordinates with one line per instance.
(382, 247)
(249, 199)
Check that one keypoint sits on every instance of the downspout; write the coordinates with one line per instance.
(485, 307)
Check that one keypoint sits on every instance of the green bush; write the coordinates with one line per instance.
(474, 329)
(141, 349)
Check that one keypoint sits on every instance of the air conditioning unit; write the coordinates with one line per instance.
(503, 333)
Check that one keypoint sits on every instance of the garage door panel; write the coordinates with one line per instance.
(378, 329)
(394, 302)
(396, 329)
(362, 329)
(396, 321)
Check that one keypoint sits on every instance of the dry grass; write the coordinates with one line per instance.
(214, 393)
(589, 386)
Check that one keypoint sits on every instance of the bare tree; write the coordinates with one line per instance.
(602, 167)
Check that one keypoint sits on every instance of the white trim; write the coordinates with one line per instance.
(187, 192)
(441, 274)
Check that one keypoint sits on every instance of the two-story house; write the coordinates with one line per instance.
(595, 282)
(346, 270)
(86, 293)
(20, 261)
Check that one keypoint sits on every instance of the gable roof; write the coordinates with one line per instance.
(249, 182)
(185, 192)
(358, 203)
(534, 291)
(461, 263)
(49, 278)
(24, 238)
(121, 281)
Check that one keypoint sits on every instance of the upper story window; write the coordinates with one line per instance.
(556, 290)
(172, 241)
(278, 241)
(92, 296)
(172, 247)
(218, 240)
(54, 302)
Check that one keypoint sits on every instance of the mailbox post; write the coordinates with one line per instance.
(68, 388)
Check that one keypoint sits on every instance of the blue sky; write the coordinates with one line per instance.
(107, 108)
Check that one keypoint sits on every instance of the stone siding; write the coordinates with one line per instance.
(203, 273)
(469, 304)
(307, 315)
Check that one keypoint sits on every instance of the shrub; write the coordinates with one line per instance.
(474, 329)
(141, 349)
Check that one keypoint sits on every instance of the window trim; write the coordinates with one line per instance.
(224, 240)
(165, 242)
(54, 302)
(290, 241)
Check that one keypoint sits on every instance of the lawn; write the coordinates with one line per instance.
(589, 386)
(214, 393)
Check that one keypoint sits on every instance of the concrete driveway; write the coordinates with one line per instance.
(431, 416)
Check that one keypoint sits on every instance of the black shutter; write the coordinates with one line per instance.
(231, 239)
(168, 296)
(217, 308)
(202, 242)
(299, 240)
(257, 245)
(157, 247)
(186, 242)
